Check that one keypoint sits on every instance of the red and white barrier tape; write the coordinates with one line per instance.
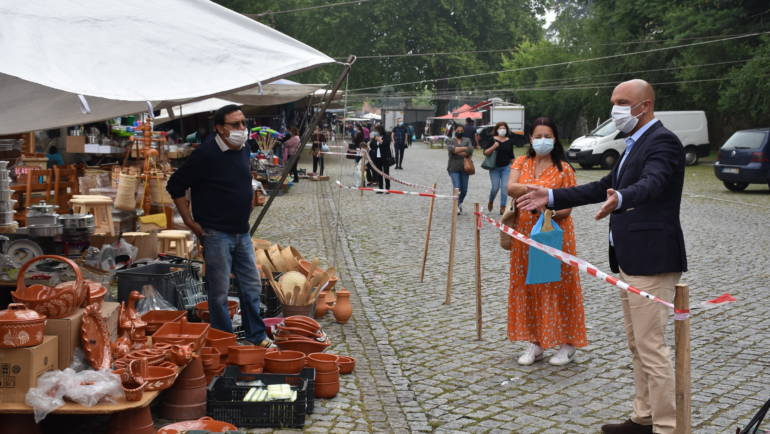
(368, 159)
(411, 193)
(593, 271)
(335, 153)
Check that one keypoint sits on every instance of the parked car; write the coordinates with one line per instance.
(604, 145)
(744, 159)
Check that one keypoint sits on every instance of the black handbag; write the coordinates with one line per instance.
(352, 151)
(753, 426)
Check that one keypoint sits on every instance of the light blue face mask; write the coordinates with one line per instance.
(542, 146)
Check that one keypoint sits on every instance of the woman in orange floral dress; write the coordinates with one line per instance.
(548, 314)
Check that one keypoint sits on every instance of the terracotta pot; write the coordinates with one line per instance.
(186, 399)
(202, 424)
(160, 378)
(346, 364)
(302, 321)
(20, 327)
(134, 421)
(202, 310)
(96, 291)
(57, 302)
(156, 318)
(152, 357)
(327, 390)
(342, 310)
(220, 340)
(289, 332)
(322, 362)
(95, 338)
(321, 307)
(136, 371)
(170, 365)
(328, 377)
(307, 311)
(162, 347)
(134, 393)
(210, 357)
(246, 355)
(182, 332)
(252, 369)
(305, 346)
(284, 362)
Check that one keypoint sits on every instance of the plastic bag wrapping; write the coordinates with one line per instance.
(86, 388)
(79, 361)
(126, 248)
(152, 301)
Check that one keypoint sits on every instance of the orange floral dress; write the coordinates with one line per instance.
(550, 313)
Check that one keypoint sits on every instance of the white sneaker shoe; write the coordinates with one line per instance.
(532, 354)
(565, 355)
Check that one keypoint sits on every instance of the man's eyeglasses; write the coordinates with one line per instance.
(236, 124)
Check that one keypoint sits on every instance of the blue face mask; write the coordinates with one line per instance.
(542, 146)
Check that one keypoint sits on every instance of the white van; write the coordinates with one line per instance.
(605, 145)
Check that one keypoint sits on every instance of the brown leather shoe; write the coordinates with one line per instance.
(627, 427)
(490, 204)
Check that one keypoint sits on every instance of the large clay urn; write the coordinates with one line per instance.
(342, 310)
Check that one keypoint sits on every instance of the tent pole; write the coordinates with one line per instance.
(305, 137)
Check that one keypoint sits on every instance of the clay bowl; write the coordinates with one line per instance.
(327, 390)
(299, 331)
(210, 358)
(221, 341)
(305, 346)
(322, 362)
(245, 355)
(284, 362)
(156, 318)
(202, 309)
(302, 321)
(159, 378)
(154, 357)
(168, 364)
(346, 364)
(133, 392)
(328, 377)
(202, 424)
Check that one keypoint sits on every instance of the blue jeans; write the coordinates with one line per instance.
(499, 179)
(460, 181)
(223, 253)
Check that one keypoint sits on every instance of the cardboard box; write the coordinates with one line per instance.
(67, 329)
(76, 144)
(20, 367)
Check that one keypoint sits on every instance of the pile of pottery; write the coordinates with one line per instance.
(249, 358)
(328, 368)
(6, 203)
(300, 333)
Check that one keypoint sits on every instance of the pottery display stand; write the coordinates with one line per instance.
(452, 240)
(427, 234)
(100, 207)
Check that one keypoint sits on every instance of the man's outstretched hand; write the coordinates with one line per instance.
(609, 205)
(536, 198)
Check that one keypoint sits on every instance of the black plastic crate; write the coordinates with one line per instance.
(224, 400)
(272, 305)
(164, 277)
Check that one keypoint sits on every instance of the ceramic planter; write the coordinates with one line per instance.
(346, 364)
(245, 355)
(284, 362)
(220, 340)
(328, 377)
(322, 362)
(202, 310)
(210, 358)
(327, 390)
(182, 332)
(20, 327)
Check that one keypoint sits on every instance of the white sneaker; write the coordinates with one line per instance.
(533, 353)
(565, 355)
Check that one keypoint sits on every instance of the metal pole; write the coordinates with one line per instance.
(305, 137)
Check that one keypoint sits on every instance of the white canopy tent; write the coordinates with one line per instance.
(76, 61)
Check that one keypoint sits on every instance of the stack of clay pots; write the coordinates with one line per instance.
(327, 374)
(212, 363)
(6, 203)
(249, 358)
(186, 399)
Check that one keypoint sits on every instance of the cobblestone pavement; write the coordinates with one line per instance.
(419, 365)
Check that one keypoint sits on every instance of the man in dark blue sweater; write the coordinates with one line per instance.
(219, 178)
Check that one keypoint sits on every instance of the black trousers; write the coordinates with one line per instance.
(383, 166)
(293, 168)
(316, 161)
(399, 154)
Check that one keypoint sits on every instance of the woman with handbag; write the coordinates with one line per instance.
(379, 151)
(498, 161)
(291, 147)
(546, 314)
(319, 145)
(460, 165)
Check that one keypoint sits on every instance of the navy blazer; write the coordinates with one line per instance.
(646, 232)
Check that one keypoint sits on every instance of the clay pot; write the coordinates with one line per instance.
(328, 377)
(343, 310)
(133, 421)
(284, 362)
(321, 306)
(252, 369)
(203, 424)
(221, 341)
(57, 302)
(136, 371)
(186, 399)
(307, 311)
(327, 390)
(96, 291)
(202, 310)
(170, 365)
(160, 378)
(182, 332)
(130, 321)
(305, 346)
(210, 357)
(290, 332)
(95, 338)
(133, 393)
(302, 321)
(210, 374)
(246, 355)
(20, 327)
(346, 364)
(156, 318)
(322, 362)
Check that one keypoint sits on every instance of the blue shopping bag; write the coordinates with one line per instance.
(544, 268)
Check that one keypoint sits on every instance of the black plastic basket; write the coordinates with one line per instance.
(224, 400)
(272, 305)
(164, 277)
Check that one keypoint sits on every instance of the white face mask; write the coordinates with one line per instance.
(238, 137)
(624, 120)
(542, 146)
(502, 132)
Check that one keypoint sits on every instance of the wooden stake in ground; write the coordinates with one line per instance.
(682, 364)
(427, 235)
(477, 223)
(452, 235)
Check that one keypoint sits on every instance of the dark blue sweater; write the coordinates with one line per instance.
(220, 183)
